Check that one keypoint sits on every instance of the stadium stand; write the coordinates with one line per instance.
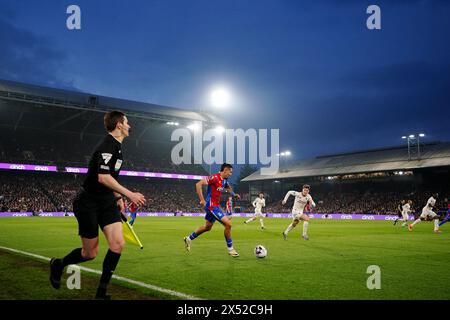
(58, 127)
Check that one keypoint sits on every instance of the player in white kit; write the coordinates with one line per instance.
(406, 210)
(259, 203)
(428, 214)
(302, 199)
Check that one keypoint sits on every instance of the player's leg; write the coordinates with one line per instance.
(445, 220)
(435, 219)
(396, 219)
(133, 218)
(226, 232)
(261, 221)
(405, 219)
(253, 218)
(209, 222)
(88, 251)
(202, 229)
(414, 223)
(110, 221)
(295, 221)
(305, 219)
(84, 210)
(423, 215)
(114, 236)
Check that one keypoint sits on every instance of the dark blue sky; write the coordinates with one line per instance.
(310, 68)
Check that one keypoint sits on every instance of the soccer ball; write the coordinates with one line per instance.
(260, 251)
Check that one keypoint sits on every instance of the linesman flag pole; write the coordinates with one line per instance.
(129, 235)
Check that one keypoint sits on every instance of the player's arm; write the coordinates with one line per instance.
(105, 166)
(229, 190)
(311, 202)
(254, 203)
(198, 187)
(290, 193)
(108, 181)
(263, 202)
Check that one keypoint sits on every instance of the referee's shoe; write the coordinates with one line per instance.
(56, 270)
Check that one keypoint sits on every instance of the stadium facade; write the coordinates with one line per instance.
(426, 169)
(30, 114)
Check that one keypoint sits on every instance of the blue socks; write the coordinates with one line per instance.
(193, 235)
(229, 243)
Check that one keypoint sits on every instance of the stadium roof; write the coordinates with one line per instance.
(27, 93)
(376, 160)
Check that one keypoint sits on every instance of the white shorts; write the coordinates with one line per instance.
(258, 213)
(427, 213)
(297, 215)
(405, 216)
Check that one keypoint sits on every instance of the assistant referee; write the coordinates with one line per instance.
(99, 204)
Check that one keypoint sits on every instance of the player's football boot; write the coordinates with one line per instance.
(56, 270)
(305, 237)
(284, 235)
(187, 244)
(263, 228)
(437, 231)
(233, 253)
(395, 222)
(409, 227)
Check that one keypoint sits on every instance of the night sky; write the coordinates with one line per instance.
(310, 68)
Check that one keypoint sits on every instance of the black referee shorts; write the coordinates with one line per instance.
(93, 211)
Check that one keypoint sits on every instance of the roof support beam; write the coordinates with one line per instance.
(18, 119)
(76, 115)
(86, 126)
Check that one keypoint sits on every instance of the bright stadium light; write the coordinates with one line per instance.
(220, 98)
(171, 123)
(283, 154)
(193, 126)
(412, 136)
(404, 137)
(421, 135)
(288, 153)
(220, 129)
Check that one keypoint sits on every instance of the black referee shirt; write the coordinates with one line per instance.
(107, 159)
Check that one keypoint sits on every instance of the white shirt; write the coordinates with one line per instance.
(259, 203)
(430, 203)
(406, 208)
(300, 200)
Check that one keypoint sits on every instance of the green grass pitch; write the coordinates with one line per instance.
(331, 265)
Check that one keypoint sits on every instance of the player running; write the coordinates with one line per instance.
(216, 184)
(132, 209)
(99, 203)
(399, 211)
(406, 210)
(302, 199)
(258, 204)
(428, 214)
(447, 218)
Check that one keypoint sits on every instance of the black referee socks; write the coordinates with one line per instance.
(109, 265)
(74, 257)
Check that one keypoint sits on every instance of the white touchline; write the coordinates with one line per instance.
(131, 281)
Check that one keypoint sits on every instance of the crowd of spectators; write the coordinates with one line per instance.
(369, 202)
(70, 150)
(47, 192)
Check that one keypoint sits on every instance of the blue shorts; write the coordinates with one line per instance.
(214, 214)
